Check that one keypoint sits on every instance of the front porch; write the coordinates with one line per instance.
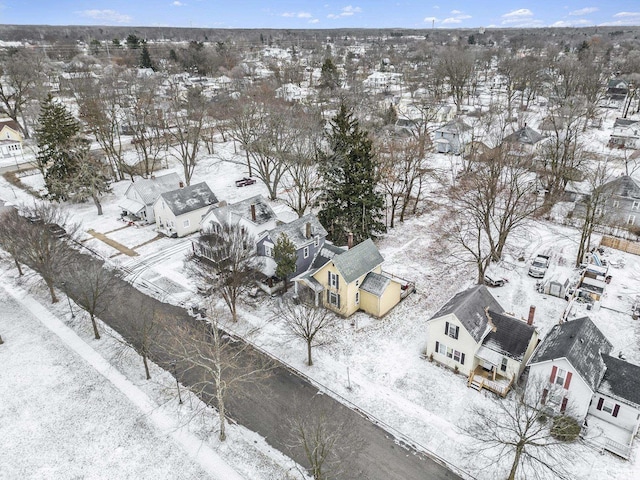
(483, 377)
(607, 436)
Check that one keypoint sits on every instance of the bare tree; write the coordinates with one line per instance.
(21, 72)
(11, 223)
(229, 263)
(39, 243)
(520, 428)
(216, 364)
(329, 445)
(187, 118)
(457, 67)
(93, 286)
(308, 323)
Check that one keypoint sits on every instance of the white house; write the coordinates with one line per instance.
(253, 214)
(141, 195)
(579, 377)
(472, 335)
(179, 212)
(452, 137)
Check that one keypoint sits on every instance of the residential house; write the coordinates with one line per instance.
(621, 202)
(383, 82)
(580, 378)
(141, 195)
(353, 280)
(179, 212)
(10, 138)
(452, 137)
(307, 235)
(253, 214)
(473, 335)
(625, 134)
(525, 141)
(617, 89)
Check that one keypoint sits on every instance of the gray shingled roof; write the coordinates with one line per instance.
(358, 260)
(326, 253)
(296, 230)
(242, 209)
(524, 135)
(621, 379)
(470, 307)
(188, 199)
(375, 284)
(151, 188)
(511, 336)
(623, 186)
(581, 343)
(454, 126)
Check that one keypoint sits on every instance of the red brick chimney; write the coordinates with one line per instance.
(308, 230)
(532, 312)
(350, 241)
(253, 212)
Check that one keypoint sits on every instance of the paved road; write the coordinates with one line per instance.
(265, 408)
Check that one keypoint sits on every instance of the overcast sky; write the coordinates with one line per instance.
(322, 14)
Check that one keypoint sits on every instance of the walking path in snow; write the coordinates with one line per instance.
(208, 459)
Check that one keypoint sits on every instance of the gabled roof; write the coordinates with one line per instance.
(510, 337)
(242, 210)
(623, 186)
(326, 254)
(525, 135)
(621, 379)
(581, 343)
(188, 199)
(358, 261)
(454, 126)
(296, 230)
(470, 308)
(624, 122)
(12, 124)
(150, 189)
(375, 284)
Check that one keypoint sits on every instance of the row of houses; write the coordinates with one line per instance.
(343, 279)
(572, 365)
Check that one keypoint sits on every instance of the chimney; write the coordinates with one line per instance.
(308, 230)
(253, 212)
(532, 312)
(350, 241)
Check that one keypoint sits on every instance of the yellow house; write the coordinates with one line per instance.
(10, 138)
(353, 280)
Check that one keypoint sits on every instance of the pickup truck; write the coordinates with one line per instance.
(243, 182)
(539, 266)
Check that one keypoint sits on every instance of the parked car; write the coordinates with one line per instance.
(243, 182)
(493, 281)
(539, 266)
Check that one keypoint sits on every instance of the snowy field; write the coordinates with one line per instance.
(377, 364)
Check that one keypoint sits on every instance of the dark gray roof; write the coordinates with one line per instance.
(296, 230)
(581, 343)
(511, 336)
(623, 186)
(358, 261)
(624, 122)
(151, 188)
(524, 135)
(621, 379)
(188, 199)
(326, 254)
(375, 284)
(470, 308)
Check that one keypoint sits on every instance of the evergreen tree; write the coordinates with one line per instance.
(145, 58)
(350, 201)
(329, 75)
(133, 42)
(284, 254)
(57, 134)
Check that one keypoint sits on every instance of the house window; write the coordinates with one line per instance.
(267, 251)
(560, 376)
(451, 330)
(503, 366)
(334, 281)
(357, 298)
(450, 353)
(186, 223)
(334, 299)
(443, 349)
(636, 205)
(456, 356)
(607, 407)
(616, 203)
(305, 252)
(316, 241)
(631, 220)
(599, 211)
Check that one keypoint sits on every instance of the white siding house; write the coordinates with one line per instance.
(179, 212)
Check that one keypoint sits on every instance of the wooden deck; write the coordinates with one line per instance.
(479, 378)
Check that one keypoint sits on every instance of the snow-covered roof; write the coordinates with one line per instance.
(581, 343)
(375, 284)
(623, 186)
(188, 199)
(525, 135)
(150, 189)
(234, 212)
(470, 308)
(296, 230)
(358, 261)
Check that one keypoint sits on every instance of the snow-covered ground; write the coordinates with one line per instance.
(377, 364)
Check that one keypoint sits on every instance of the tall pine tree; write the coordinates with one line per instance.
(350, 201)
(284, 254)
